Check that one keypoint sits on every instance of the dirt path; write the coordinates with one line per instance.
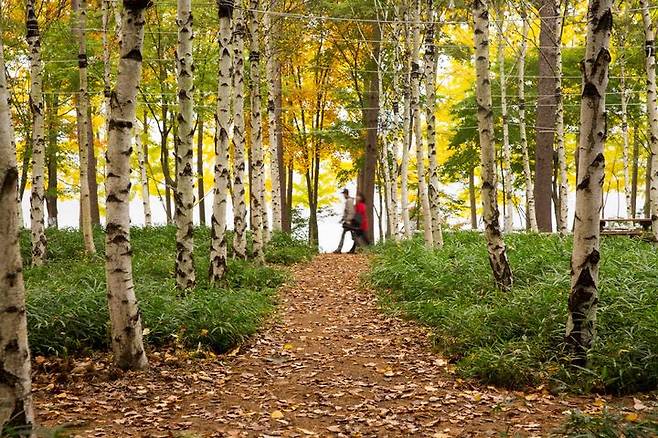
(332, 365)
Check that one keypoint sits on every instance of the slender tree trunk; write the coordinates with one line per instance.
(106, 6)
(37, 223)
(274, 126)
(371, 123)
(218, 249)
(647, 186)
(142, 157)
(546, 113)
(258, 187)
(581, 323)
(239, 165)
(92, 171)
(126, 323)
(431, 64)
(624, 128)
(16, 409)
(506, 162)
(529, 185)
(652, 110)
(472, 199)
(398, 137)
(563, 176)
(406, 128)
(185, 271)
(51, 158)
(502, 272)
(80, 8)
(415, 105)
(634, 177)
(201, 191)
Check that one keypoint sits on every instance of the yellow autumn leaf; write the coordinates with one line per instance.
(276, 415)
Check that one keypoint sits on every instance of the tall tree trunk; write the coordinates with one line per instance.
(502, 272)
(106, 6)
(126, 322)
(37, 224)
(406, 128)
(142, 160)
(652, 110)
(258, 187)
(371, 114)
(51, 158)
(201, 191)
(529, 185)
(583, 300)
(16, 409)
(274, 126)
(239, 203)
(472, 199)
(431, 64)
(624, 128)
(185, 272)
(92, 170)
(415, 106)
(506, 162)
(563, 176)
(647, 185)
(634, 177)
(546, 110)
(397, 122)
(218, 249)
(80, 8)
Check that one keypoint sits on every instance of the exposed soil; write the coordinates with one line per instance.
(330, 364)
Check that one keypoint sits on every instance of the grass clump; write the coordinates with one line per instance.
(284, 249)
(609, 425)
(516, 338)
(67, 304)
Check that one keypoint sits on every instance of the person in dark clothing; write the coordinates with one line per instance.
(360, 223)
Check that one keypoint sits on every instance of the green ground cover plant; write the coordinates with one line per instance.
(516, 338)
(66, 298)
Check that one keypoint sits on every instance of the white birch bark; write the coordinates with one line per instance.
(507, 152)
(16, 409)
(107, 67)
(272, 70)
(37, 215)
(624, 129)
(185, 272)
(80, 8)
(218, 249)
(398, 137)
(406, 130)
(583, 300)
(126, 322)
(563, 190)
(418, 138)
(527, 173)
(495, 245)
(142, 155)
(652, 110)
(430, 117)
(259, 212)
(239, 165)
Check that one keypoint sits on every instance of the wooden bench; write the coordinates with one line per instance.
(606, 230)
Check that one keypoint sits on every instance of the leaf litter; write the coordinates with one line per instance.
(330, 364)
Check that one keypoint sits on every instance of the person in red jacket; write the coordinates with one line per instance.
(360, 223)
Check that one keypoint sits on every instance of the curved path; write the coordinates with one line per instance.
(331, 364)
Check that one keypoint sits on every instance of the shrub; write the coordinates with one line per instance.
(516, 338)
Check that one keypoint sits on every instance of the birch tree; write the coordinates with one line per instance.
(563, 191)
(185, 272)
(125, 318)
(431, 63)
(273, 68)
(239, 165)
(142, 154)
(218, 223)
(502, 272)
(507, 152)
(106, 5)
(624, 97)
(652, 110)
(257, 165)
(37, 223)
(16, 409)
(406, 128)
(82, 107)
(583, 300)
(418, 139)
(527, 173)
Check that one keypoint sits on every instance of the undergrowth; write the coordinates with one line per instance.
(516, 338)
(67, 304)
(608, 425)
